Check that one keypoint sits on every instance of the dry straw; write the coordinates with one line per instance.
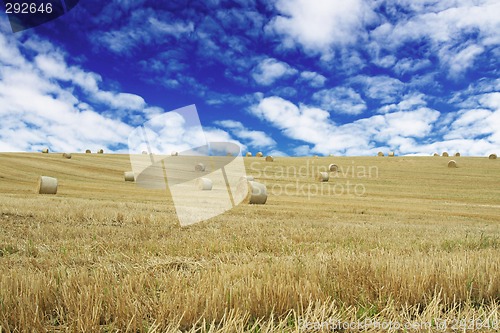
(493, 157)
(249, 154)
(47, 185)
(269, 158)
(452, 164)
(457, 154)
(252, 192)
(445, 154)
(67, 155)
(323, 176)
(88, 151)
(199, 167)
(381, 154)
(100, 151)
(45, 151)
(391, 154)
(129, 176)
(259, 154)
(333, 167)
(204, 184)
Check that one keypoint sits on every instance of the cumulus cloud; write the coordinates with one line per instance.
(456, 31)
(405, 132)
(319, 25)
(383, 88)
(342, 100)
(253, 138)
(408, 102)
(269, 70)
(44, 102)
(36, 114)
(314, 79)
(409, 65)
(478, 123)
(145, 26)
(459, 61)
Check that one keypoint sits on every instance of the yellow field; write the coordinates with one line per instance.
(403, 239)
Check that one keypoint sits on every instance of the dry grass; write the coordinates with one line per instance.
(421, 245)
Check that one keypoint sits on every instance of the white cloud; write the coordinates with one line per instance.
(457, 31)
(478, 123)
(276, 153)
(218, 135)
(253, 138)
(44, 102)
(314, 79)
(53, 66)
(319, 25)
(340, 100)
(459, 61)
(144, 26)
(408, 102)
(120, 101)
(175, 29)
(364, 136)
(269, 70)
(409, 65)
(303, 150)
(384, 88)
(385, 62)
(39, 114)
(416, 123)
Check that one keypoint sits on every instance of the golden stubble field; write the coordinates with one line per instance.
(402, 240)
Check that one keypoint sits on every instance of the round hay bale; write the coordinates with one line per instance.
(67, 155)
(436, 154)
(174, 153)
(493, 157)
(457, 154)
(88, 151)
(199, 167)
(229, 154)
(391, 154)
(269, 158)
(246, 178)
(259, 154)
(204, 184)
(129, 176)
(45, 151)
(47, 185)
(333, 168)
(100, 151)
(249, 154)
(144, 152)
(323, 176)
(381, 154)
(445, 154)
(256, 193)
(452, 164)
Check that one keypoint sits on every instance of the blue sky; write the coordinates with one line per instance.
(286, 77)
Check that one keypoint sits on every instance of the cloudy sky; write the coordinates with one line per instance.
(287, 77)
